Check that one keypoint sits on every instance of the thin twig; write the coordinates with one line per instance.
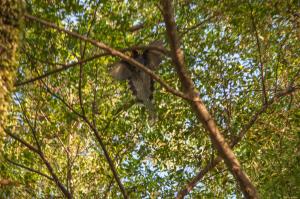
(29, 169)
(63, 68)
(107, 156)
(29, 146)
(186, 30)
(106, 192)
(32, 127)
(261, 63)
(82, 54)
(61, 99)
(80, 88)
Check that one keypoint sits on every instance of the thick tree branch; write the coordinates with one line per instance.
(199, 108)
(190, 185)
(112, 52)
(83, 61)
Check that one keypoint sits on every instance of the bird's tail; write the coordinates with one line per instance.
(151, 111)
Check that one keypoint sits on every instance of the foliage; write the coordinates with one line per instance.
(227, 46)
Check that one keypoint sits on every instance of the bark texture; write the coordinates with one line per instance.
(10, 14)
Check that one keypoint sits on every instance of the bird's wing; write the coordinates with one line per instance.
(120, 71)
(154, 57)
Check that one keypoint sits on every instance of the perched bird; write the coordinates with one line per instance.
(140, 83)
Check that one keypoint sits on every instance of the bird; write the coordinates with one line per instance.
(140, 83)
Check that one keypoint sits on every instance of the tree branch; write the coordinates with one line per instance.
(107, 156)
(54, 176)
(48, 165)
(264, 93)
(63, 68)
(186, 30)
(199, 108)
(61, 99)
(32, 127)
(112, 52)
(71, 65)
(82, 54)
(29, 169)
(254, 118)
(29, 146)
(99, 139)
(190, 185)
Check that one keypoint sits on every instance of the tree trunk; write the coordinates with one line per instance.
(10, 14)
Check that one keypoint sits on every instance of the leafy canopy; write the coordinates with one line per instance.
(225, 45)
